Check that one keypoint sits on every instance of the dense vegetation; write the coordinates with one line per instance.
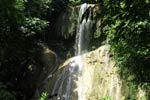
(24, 22)
(127, 26)
(20, 26)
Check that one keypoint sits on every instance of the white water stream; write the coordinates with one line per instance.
(84, 29)
(65, 85)
(82, 41)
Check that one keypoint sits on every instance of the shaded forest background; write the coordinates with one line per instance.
(24, 23)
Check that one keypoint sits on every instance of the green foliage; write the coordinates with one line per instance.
(43, 96)
(142, 98)
(146, 87)
(33, 26)
(127, 26)
(105, 98)
(21, 21)
(5, 94)
(11, 15)
(38, 8)
(75, 2)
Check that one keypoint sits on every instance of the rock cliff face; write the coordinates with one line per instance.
(47, 61)
(97, 78)
(67, 22)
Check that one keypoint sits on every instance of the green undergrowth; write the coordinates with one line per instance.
(105, 98)
(43, 96)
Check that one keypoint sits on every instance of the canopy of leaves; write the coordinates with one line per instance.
(127, 26)
(21, 21)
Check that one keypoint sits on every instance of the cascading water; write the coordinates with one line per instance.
(68, 85)
(114, 88)
(84, 29)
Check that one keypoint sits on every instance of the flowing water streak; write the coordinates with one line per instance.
(105, 52)
(61, 77)
(80, 29)
(79, 84)
(111, 86)
(117, 88)
(114, 91)
(64, 83)
(114, 88)
(82, 40)
(106, 58)
(84, 29)
(80, 37)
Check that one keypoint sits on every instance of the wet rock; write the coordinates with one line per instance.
(98, 77)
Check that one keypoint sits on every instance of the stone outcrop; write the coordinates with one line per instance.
(47, 63)
(66, 24)
(98, 78)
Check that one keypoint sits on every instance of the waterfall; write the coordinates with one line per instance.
(82, 40)
(84, 29)
(68, 85)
